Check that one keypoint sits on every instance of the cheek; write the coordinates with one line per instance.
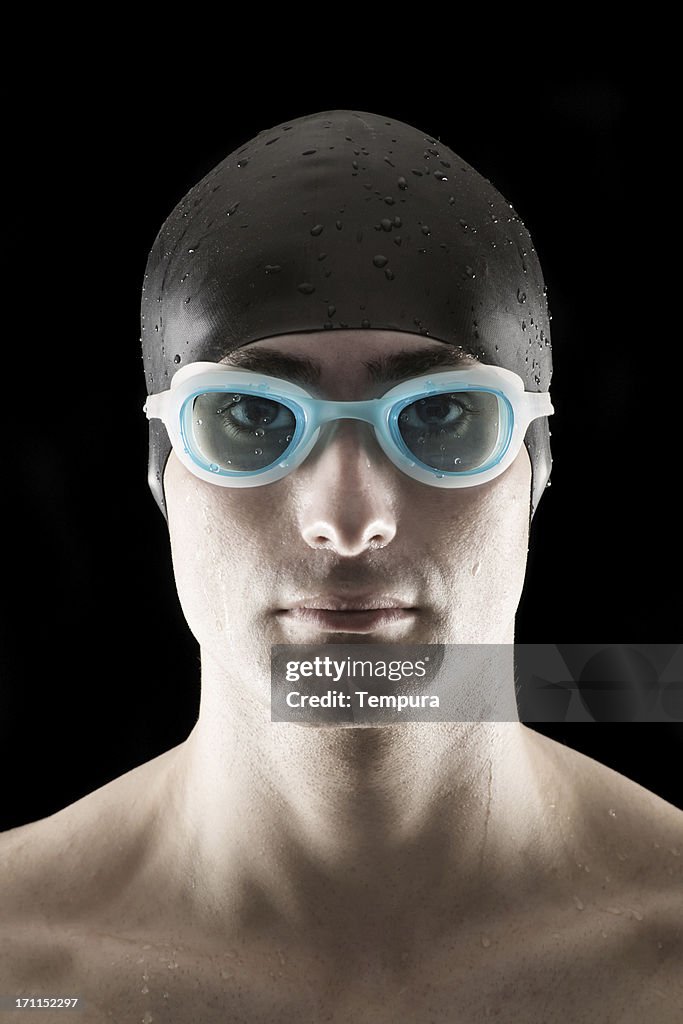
(219, 544)
(479, 541)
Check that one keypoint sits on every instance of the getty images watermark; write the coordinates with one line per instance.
(382, 683)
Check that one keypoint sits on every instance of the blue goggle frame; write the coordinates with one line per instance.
(516, 409)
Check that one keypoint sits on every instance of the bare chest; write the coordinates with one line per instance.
(596, 971)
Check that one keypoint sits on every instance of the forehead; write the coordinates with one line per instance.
(347, 355)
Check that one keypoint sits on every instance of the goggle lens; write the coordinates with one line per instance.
(454, 431)
(241, 432)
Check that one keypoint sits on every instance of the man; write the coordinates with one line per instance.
(451, 871)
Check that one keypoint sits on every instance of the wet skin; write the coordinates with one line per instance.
(263, 871)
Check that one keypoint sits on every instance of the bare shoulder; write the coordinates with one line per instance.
(614, 808)
(627, 843)
(56, 871)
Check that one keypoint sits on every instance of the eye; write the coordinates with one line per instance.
(252, 413)
(434, 411)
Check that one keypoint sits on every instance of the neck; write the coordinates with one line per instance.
(324, 823)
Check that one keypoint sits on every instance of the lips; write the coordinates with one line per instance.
(337, 603)
(336, 614)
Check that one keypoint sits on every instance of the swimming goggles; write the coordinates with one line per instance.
(239, 428)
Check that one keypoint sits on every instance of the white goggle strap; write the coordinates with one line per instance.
(538, 404)
(156, 405)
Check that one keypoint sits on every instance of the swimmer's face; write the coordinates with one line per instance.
(347, 523)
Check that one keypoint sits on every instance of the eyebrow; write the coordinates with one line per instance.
(385, 368)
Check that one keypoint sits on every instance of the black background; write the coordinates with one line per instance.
(98, 670)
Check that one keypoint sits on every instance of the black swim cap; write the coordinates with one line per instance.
(345, 219)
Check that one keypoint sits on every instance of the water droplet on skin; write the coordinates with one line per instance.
(176, 359)
(305, 288)
(317, 230)
(258, 451)
(636, 913)
(259, 432)
(578, 902)
(612, 813)
(613, 910)
(402, 183)
(476, 568)
(148, 1018)
(380, 261)
(485, 941)
(272, 268)
(521, 296)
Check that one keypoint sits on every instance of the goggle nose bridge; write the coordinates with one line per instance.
(326, 411)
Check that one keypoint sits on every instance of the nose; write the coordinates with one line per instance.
(347, 491)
